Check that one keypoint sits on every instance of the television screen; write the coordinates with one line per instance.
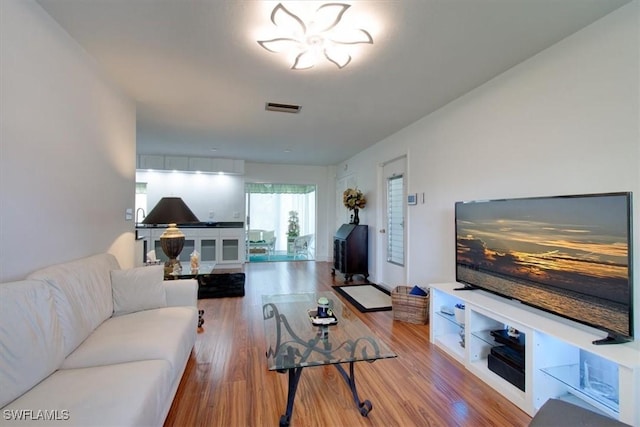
(568, 255)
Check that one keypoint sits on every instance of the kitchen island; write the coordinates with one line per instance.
(220, 242)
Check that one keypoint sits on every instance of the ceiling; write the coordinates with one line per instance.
(200, 80)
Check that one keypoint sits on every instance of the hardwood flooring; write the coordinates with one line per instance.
(226, 382)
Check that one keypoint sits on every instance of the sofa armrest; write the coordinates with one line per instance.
(181, 292)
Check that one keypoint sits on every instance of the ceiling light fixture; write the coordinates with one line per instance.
(321, 37)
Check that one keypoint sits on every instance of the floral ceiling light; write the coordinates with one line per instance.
(321, 37)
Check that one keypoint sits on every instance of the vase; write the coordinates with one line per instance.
(356, 218)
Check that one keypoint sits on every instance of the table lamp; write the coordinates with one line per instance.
(171, 211)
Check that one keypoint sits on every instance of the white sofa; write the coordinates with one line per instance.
(85, 343)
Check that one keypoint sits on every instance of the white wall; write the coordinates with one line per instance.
(211, 197)
(563, 122)
(67, 149)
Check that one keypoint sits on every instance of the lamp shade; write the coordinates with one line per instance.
(170, 210)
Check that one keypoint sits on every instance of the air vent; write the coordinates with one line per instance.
(282, 108)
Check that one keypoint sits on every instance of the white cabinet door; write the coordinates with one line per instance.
(232, 245)
(224, 246)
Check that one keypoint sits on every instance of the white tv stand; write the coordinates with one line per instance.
(556, 354)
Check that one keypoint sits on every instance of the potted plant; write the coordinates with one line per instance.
(353, 199)
(293, 230)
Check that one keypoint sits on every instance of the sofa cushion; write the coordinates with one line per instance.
(138, 289)
(165, 333)
(181, 292)
(31, 344)
(82, 294)
(126, 394)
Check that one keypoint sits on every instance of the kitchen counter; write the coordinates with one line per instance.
(219, 242)
(221, 224)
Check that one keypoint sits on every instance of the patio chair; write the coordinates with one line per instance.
(302, 246)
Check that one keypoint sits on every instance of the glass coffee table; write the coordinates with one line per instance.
(206, 267)
(294, 342)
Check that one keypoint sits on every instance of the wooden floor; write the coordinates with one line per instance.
(226, 382)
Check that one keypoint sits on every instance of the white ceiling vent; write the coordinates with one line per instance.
(282, 108)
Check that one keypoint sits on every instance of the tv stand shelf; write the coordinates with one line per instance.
(560, 360)
(485, 336)
(570, 376)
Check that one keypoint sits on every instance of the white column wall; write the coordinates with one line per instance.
(67, 149)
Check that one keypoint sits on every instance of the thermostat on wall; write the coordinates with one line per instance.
(412, 199)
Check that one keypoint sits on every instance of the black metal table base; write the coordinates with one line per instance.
(364, 406)
(200, 318)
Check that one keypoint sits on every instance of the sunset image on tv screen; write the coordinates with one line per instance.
(568, 247)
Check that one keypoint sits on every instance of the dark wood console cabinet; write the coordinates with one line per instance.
(350, 251)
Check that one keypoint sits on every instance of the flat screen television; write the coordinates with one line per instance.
(567, 255)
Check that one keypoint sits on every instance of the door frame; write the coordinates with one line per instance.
(312, 225)
(381, 237)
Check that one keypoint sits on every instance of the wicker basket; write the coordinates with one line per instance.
(409, 308)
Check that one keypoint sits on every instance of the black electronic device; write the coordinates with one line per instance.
(510, 356)
(516, 342)
(567, 255)
(506, 370)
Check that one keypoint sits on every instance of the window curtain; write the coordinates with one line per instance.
(270, 204)
(259, 188)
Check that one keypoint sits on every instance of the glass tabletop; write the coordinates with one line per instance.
(206, 267)
(293, 341)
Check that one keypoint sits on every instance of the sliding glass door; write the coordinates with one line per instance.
(281, 221)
